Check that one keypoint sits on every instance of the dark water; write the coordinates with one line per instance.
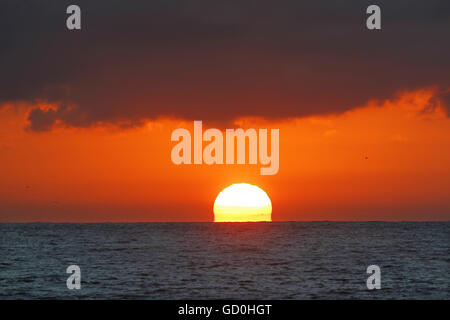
(292, 260)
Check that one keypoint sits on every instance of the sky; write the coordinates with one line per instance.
(86, 116)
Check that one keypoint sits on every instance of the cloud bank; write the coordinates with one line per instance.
(216, 60)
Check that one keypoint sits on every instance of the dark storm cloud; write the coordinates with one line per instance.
(444, 98)
(215, 60)
(40, 120)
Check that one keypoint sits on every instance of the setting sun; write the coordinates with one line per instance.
(242, 202)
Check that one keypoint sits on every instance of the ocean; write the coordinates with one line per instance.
(278, 260)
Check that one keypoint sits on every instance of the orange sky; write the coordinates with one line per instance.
(106, 173)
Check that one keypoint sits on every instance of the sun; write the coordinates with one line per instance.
(242, 202)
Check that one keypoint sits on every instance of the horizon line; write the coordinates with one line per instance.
(213, 222)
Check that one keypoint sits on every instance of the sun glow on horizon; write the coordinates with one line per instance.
(242, 202)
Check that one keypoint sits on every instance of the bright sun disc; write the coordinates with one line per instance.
(242, 202)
